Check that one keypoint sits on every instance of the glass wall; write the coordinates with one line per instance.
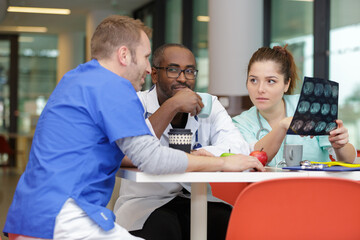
(4, 85)
(173, 22)
(200, 43)
(37, 77)
(292, 24)
(345, 62)
(146, 14)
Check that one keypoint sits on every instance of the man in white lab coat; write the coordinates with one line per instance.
(162, 210)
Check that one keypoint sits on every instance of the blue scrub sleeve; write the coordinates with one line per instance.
(122, 116)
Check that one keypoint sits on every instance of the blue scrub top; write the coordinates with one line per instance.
(74, 153)
(314, 149)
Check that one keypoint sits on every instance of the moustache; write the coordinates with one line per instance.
(178, 85)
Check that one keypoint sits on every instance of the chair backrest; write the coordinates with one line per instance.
(297, 208)
(5, 146)
(228, 191)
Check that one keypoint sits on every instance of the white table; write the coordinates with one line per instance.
(198, 229)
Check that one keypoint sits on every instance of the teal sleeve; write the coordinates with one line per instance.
(324, 141)
(246, 128)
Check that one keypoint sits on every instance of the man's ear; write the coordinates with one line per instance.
(154, 75)
(124, 55)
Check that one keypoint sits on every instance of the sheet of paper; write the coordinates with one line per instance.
(317, 108)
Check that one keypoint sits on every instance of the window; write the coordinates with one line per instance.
(292, 22)
(4, 85)
(200, 43)
(344, 62)
(37, 77)
(176, 21)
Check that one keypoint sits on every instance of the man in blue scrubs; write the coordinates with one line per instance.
(91, 120)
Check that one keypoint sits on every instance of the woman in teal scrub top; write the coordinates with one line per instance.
(271, 80)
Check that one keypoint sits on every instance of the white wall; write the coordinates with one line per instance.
(235, 33)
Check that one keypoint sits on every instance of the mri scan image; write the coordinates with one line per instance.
(330, 126)
(297, 125)
(335, 91)
(309, 125)
(325, 109)
(328, 90)
(315, 107)
(308, 88)
(334, 108)
(303, 106)
(319, 126)
(319, 89)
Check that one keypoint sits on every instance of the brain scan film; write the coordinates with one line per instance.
(317, 108)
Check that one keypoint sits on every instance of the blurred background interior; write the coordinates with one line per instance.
(37, 49)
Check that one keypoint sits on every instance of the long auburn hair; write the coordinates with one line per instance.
(283, 58)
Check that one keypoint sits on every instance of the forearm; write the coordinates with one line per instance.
(346, 153)
(234, 163)
(149, 156)
(162, 117)
(163, 159)
(272, 141)
(204, 164)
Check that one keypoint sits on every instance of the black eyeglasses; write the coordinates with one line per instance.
(174, 72)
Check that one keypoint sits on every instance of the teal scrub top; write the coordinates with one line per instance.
(315, 149)
(74, 153)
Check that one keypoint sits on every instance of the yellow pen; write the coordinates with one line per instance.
(329, 164)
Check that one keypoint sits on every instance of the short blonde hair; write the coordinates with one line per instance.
(116, 31)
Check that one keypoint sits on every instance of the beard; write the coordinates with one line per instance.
(136, 75)
(173, 87)
(140, 80)
(170, 91)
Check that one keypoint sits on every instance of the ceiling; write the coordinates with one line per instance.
(74, 22)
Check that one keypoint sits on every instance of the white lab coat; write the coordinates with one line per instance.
(217, 134)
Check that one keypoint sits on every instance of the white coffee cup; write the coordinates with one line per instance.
(207, 101)
(293, 154)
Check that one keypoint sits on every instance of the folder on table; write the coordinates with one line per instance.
(330, 169)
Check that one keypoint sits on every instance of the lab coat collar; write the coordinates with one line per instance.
(152, 104)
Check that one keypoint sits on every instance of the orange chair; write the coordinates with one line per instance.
(227, 191)
(5, 152)
(297, 208)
